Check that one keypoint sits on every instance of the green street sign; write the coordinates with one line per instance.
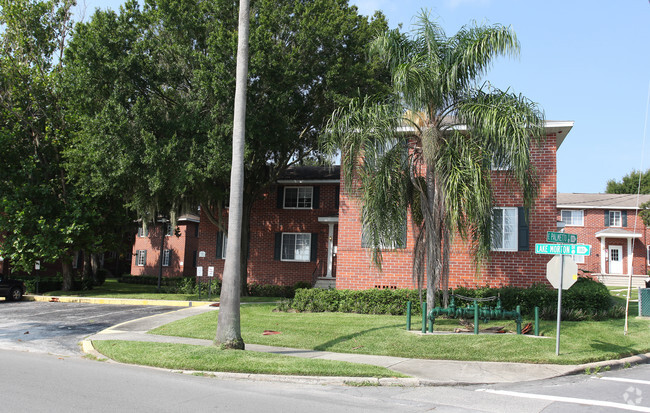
(561, 237)
(562, 249)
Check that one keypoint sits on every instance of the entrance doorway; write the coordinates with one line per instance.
(615, 259)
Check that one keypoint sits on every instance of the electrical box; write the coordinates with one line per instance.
(644, 302)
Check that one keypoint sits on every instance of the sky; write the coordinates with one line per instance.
(583, 61)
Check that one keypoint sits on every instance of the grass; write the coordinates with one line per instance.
(582, 342)
(619, 296)
(114, 289)
(189, 357)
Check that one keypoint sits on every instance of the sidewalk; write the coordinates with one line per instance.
(424, 372)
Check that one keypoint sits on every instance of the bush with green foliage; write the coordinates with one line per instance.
(270, 290)
(587, 299)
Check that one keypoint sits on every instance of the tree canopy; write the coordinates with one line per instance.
(431, 146)
(154, 88)
(629, 184)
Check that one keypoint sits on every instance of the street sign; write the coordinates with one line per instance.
(210, 271)
(199, 271)
(562, 249)
(562, 237)
(567, 271)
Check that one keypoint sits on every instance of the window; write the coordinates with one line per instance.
(296, 247)
(578, 259)
(648, 254)
(504, 229)
(166, 258)
(143, 232)
(141, 258)
(573, 218)
(222, 243)
(366, 240)
(169, 230)
(299, 197)
(614, 218)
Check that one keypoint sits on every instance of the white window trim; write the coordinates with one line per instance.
(282, 247)
(298, 188)
(224, 245)
(166, 258)
(138, 255)
(572, 211)
(516, 231)
(142, 233)
(648, 254)
(620, 219)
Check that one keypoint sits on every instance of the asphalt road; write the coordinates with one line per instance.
(57, 328)
(44, 383)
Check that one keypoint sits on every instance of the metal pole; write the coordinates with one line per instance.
(424, 317)
(408, 316)
(162, 245)
(537, 321)
(476, 317)
(559, 306)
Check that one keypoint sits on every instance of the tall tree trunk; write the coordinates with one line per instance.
(86, 272)
(94, 264)
(245, 243)
(432, 227)
(229, 328)
(66, 270)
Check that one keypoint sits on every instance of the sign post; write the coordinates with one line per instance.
(552, 270)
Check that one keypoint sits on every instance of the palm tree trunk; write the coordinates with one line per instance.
(229, 328)
(432, 226)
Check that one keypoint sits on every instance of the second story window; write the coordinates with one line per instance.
(142, 232)
(615, 218)
(504, 229)
(298, 197)
(572, 217)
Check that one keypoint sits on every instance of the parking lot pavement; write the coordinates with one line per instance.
(57, 328)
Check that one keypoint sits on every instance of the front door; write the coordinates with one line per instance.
(615, 259)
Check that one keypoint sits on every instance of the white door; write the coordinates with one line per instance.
(615, 259)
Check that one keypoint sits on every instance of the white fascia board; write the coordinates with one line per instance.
(307, 181)
(595, 207)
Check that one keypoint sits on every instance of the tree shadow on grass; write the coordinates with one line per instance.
(327, 345)
(605, 347)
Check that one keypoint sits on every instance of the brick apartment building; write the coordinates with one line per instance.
(179, 249)
(307, 228)
(611, 225)
(515, 263)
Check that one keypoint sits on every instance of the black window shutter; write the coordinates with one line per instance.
(607, 217)
(219, 245)
(278, 246)
(403, 235)
(169, 263)
(336, 197)
(523, 229)
(314, 247)
(280, 198)
(145, 258)
(315, 198)
(194, 259)
(624, 218)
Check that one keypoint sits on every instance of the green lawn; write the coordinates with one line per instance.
(619, 295)
(188, 357)
(581, 342)
(114, 289)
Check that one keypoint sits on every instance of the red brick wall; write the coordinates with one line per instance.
(356, 271)
(594, 221)
(182, 246)
(266, 221)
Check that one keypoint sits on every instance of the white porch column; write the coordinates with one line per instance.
(330, 249)
(630, 256)
(603, 253)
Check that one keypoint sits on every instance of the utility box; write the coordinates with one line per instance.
(644, 302)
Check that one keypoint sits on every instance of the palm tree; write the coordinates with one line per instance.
(228, 324)
(431, 147)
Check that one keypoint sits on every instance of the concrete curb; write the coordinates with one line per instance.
(88, 348)
(115, 301)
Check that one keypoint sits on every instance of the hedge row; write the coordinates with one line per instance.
(586, 299)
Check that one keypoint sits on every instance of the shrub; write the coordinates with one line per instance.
(587, 299)
(101, 275)
(270, 290)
